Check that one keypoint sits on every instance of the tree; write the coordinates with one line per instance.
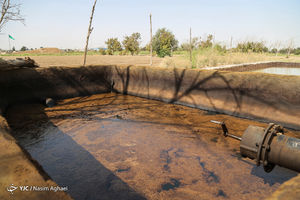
(297, 51)
(274, 48)
(102, 51)
(113, 45)
(146, 47)
(290, 47)
(24, 48)
(9, 12)
(186, 45)
(164, 42)
(208, 42)
(220, 48)
(283, 51)
(132, 43)
(257, 47)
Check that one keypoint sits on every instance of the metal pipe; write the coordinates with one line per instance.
(235, 137)
(268, 147)
(285, 152)
(225, 130)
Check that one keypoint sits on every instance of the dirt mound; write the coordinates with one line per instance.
(44, 51)
(17, 63)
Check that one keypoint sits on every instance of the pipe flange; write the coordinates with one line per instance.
(262, 143)
(270, 132)
(268, 167)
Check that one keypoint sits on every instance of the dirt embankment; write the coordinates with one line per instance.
(44, 51)
(17, 168)
(252, 95)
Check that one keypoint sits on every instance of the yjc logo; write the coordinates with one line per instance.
(11, 188)
(24, 188)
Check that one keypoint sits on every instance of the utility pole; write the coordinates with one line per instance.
(191, 48)
(151, 54)
(230, 42)
(89, 33)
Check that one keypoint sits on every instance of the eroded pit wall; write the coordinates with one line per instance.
(244, 94)
(29, 84)
(253, 95)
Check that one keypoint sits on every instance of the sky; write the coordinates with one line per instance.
(64, 24)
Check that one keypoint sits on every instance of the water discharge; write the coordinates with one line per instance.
(113, 146)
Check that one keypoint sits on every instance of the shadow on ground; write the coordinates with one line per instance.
(68, 164)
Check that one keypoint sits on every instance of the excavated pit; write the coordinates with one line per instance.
(107, 144)
(114, 146)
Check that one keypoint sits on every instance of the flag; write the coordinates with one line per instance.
(10, 37)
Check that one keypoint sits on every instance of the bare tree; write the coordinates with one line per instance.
(277, 46)
(10, 12)
(89, 32)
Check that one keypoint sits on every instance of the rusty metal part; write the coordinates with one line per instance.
(225, 130)
(50, 102)
(285, 152)
(268, 147)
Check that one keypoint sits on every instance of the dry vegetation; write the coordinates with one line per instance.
(211, 58)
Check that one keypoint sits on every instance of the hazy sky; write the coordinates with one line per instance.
(64, 23)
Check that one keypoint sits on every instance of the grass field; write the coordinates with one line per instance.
(201, 58)
(211, 58)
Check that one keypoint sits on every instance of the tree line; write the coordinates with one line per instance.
(164, 43)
